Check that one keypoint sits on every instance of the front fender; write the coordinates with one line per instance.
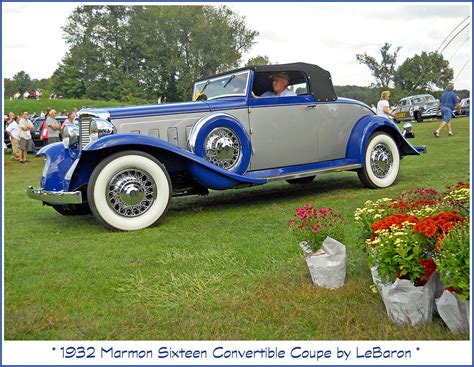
(368, 125)
(58, 162)
(207, 174)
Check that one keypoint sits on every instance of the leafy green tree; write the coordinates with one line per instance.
(258, 60)
(20, 82)
(144, 52)
(423, 73)
(383, 72)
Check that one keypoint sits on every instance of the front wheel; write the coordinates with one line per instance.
(129, 190)
(382, 162)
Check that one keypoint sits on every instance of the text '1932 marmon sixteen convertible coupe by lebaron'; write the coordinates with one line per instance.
(125, 163)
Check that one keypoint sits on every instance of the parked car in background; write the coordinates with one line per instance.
(38, 123)
(465, 107)
(418, 108)
(125, 163)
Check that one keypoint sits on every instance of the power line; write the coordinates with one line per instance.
(460, 71)
(451, 40)
(462, 44)
(462, 21)
(454, 37)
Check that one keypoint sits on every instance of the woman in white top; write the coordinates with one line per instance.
(383, 107)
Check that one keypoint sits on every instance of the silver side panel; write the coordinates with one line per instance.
(173, 128)
(335, 122)
(299, 134)
(283, 136)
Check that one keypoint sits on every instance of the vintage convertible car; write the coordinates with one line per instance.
(125, 163)
(418, 108)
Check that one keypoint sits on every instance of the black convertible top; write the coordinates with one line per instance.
(319, 80)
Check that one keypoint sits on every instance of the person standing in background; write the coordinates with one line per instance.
(54, 127)
(447, 103)
(383, 106)
(25, 136)
(13, 131)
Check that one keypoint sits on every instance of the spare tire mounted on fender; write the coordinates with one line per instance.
(222, 140)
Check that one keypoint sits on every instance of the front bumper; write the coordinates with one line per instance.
(55, 197)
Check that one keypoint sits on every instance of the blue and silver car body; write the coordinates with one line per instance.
(125, 163)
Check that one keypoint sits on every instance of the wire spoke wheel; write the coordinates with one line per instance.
(131, 192)
(381, 160)
(223, 148)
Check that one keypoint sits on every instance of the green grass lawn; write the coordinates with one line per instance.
(218, 267)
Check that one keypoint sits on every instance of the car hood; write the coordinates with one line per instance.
(149, 110)
(168, 108)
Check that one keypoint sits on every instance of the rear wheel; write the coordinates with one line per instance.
(418, 117)
(129, 190)
(382, 162)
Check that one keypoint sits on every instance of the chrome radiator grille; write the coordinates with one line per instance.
(84, 137)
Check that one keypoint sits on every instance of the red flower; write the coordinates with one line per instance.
(438, 224)
(395, 219)
(429, 266)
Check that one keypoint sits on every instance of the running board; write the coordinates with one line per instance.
(313, 172)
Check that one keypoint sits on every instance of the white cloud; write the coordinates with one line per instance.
(327, 34)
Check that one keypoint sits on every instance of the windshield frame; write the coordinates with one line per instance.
(199, 85)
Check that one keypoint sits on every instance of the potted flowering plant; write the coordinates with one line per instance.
(401, 269)
(325, 257)
(403, 235)
(452, 260)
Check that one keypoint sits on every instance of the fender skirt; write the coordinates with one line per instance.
(207, 174)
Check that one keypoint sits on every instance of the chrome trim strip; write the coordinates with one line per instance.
(313, 172)
(54, 197)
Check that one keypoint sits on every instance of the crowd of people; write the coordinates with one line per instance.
(34, 94)
(19, 129)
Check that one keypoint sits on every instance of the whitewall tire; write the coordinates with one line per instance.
(129, 190)
(382, 162)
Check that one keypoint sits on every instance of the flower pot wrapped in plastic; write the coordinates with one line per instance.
(406, 303)
(327, 266)
(454, 312)
(453, 261)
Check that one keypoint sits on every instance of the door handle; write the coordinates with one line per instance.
(311, 106)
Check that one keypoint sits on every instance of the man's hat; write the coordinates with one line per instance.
(280, 74)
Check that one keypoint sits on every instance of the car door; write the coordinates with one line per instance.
(283, 131)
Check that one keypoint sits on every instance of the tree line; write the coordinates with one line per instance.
(142, 53)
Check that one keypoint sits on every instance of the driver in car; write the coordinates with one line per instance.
(280, 82)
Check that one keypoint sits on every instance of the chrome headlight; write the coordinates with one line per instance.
(70, 135)
(100, 127)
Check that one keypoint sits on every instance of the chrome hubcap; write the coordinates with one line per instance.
(381, 160)
(223, 148)
(131, 192)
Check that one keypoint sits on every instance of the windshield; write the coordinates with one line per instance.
(423, 99)
(234, 84)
